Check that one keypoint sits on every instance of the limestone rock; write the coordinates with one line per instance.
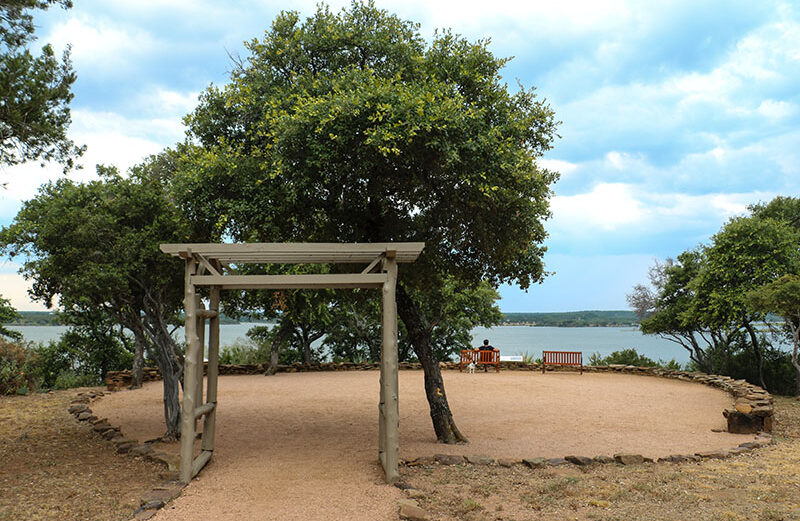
(144, 515)
(171, 461)
(505, 462)
(448, 459)
(629, 459)
(78, 408)
(413, 493)
(535, 463)
(556, 462)
(126, 447)
(141, 450)
(479, 459)
(413, 513)
(417, 462)
(714, 454)
(604, 459)
(163, 495)
(742, 423)
(579, 460)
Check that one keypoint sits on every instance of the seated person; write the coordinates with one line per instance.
(486, 346)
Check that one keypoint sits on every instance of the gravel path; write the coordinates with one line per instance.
(303, 446)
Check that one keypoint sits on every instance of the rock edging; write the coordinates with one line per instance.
(762, 440)
(161, 494)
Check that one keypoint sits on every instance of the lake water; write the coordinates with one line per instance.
(511, 340)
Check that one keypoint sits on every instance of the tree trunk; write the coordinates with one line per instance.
(443, 423)
(170, 363)
(795, 352)
(138, 358)
(306, 345)
(757, 352)
(284, 330)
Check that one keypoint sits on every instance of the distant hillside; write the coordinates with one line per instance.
(36, 318)
(622, 318)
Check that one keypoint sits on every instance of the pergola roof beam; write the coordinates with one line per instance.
(295, 253)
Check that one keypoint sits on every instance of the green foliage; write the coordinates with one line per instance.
(781, 297)
(740, 362)
(243, 352)
(34, 114)
(17, 368)
(95, 247)
(711, 298)
(631, 357)
(8, 314)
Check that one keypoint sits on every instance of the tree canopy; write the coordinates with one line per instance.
(94, 246)
(36, 90)
(350, 127)
(705, 299)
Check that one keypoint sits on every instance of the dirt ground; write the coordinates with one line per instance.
(53, 468)
(304, 445)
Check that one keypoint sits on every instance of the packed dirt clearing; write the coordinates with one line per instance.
(303, 446)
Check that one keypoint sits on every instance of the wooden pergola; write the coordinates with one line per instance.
(210, 264)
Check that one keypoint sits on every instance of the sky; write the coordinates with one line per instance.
(675, 115)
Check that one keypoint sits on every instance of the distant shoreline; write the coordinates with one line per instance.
(591, 318)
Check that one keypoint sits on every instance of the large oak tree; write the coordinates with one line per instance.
(350, 127)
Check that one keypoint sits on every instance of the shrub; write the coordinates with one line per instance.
(242, 352)
(631, 357)
(69, 379)
(17, 368)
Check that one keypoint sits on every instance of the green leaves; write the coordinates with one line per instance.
(34, 113)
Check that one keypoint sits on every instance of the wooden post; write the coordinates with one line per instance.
(389, 416)
(189, 375)
(201, 336)
(210, 422)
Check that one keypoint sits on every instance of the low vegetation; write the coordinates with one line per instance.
(758, 485)
(55, 469)
(631, 357)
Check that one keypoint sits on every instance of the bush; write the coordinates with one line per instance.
(631, 357)
(243, 352)
(17, 368)
(70, 379)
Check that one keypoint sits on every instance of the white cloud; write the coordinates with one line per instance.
(607, 207)
(15, 289)
(101, 46)
(565, 168)
(620, 209)
(776, 110)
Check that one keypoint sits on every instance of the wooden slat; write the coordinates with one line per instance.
(291, 253)
(354, 280)
(200, 461)
(204, 409)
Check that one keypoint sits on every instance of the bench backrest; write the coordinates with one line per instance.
(562, 357)
(479, 357)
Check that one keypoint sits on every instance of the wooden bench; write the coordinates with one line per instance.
(482, 357)
(564, 358)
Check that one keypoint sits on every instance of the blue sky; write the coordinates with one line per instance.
(676, 115)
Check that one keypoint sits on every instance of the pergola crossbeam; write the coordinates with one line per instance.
(350, 280)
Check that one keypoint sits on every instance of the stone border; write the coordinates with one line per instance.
(161, 494)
